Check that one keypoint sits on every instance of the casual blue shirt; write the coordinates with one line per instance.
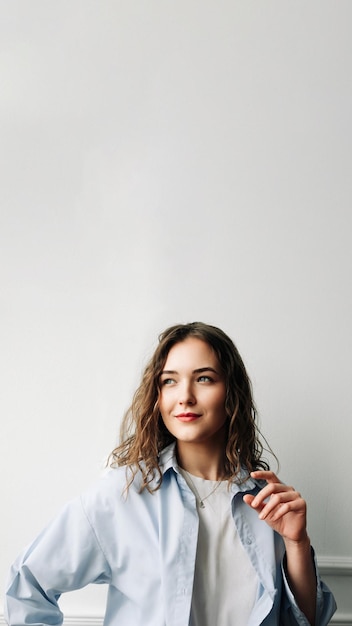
(143, 546)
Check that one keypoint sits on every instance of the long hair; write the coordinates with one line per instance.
(143, 433)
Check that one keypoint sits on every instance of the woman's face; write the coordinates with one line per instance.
(192, 393)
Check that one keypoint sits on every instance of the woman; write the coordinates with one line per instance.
(189, 527)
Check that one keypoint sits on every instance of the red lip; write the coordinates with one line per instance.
(187, 417)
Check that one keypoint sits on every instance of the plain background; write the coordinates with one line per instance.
(165, 162)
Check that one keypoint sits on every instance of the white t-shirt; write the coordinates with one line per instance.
(225, 582)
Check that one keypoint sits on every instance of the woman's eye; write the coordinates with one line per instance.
(167, 381)
(205, 379)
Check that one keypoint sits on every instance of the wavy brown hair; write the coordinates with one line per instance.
(143, 433)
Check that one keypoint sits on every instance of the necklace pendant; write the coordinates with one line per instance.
(201, 504)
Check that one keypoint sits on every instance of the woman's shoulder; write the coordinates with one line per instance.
(111, 484)
(123, 485)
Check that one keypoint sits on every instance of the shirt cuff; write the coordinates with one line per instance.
(290, 598)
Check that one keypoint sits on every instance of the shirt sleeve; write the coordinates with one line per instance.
(64, 557)
(325, 607)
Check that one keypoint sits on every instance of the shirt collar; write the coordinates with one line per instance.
(168, 461)
(167, 458)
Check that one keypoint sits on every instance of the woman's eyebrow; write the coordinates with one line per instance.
(199, 370)
(204, 369)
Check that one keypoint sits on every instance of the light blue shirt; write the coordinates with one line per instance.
(144, 547)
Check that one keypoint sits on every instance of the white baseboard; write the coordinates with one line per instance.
(83, 621)
(335, 565)
(336, 572)
(70, 620)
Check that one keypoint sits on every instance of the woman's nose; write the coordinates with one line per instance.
(187, 394)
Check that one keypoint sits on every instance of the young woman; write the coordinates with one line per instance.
(189, 528)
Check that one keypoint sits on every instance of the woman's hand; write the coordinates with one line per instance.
(281, 507)
(284, 509)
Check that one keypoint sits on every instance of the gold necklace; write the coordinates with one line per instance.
(193, 488)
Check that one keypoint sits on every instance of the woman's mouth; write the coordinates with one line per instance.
(187, 417)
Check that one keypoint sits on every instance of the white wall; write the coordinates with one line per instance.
(169, 161)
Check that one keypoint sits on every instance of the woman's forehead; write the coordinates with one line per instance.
(190, 351)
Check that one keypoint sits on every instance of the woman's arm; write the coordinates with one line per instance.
(285, 511)
(64, 557)
(300, 571)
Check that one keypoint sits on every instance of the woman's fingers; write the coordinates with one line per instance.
(267, 475)
(275, 498)
(280, 505)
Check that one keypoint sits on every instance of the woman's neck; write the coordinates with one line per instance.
(201, 460)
